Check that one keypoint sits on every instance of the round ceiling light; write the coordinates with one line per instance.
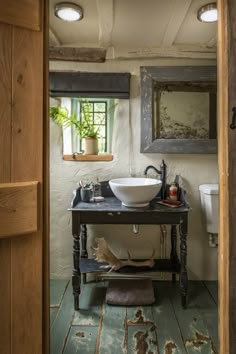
(69, 12)
(208, 13)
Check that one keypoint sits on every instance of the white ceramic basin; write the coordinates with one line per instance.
(135, 192)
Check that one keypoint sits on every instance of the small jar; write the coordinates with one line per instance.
(173, 191)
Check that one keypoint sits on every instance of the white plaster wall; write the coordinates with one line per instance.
(195, 170)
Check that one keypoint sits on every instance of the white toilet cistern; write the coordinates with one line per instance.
(209, 194)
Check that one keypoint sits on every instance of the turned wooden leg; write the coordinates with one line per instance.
(173, 253)
(76, 260)
(183, 260)
(84, 253)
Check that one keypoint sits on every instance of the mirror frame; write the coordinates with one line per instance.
(152, 76)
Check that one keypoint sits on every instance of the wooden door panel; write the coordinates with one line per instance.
(26, 294)
(27, 109)
(5, 102)
(5, 296)
(22, 96)
(18, 208)
(23, 13)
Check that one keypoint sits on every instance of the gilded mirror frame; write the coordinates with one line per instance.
(154, 76)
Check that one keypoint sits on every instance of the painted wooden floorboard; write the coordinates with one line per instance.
(81, 340)
(193, 328)
(53, 314)
(167, 328)
(209, 311)
(62, 323)
(112, 336)
(142, 339)
(139, 315)
(57, 289)
(91, 300)
(212, 287)
(164, 328)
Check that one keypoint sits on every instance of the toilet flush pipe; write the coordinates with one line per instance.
(135, 229)
(213, 240)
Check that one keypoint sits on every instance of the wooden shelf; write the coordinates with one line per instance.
(90, 265)
(81, 157)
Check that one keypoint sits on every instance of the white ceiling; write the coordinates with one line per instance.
(135, 26)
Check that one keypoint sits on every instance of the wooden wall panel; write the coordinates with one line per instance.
(23, 13)
(5, 175)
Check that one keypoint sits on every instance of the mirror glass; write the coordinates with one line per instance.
(178, 116)
(181, 113)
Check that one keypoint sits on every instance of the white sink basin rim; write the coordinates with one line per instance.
(134, 191)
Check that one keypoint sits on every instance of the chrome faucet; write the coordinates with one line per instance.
(162, 173)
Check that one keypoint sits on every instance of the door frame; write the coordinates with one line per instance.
(226, 304)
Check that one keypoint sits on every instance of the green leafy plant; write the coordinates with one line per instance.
(84, 127)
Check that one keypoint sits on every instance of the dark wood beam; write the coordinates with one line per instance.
(94, 55)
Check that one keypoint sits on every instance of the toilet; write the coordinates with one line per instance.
(209, 194)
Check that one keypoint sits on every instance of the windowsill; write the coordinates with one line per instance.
(81, 157)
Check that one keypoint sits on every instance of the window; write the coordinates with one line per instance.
(102, 114)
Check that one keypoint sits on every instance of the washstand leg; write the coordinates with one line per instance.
(173, 254)
(183, 260)
(84, 252)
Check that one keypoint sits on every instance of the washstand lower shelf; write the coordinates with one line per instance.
(90, 265)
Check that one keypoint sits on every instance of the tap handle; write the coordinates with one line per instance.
(163, 178)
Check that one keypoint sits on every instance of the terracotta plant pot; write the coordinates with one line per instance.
(91, 146)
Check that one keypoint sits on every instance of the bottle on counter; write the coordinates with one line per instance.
(173, 191)
(97, 189)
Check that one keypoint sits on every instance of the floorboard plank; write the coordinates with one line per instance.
(139, 315)
(212, 287)
(91, 300)
(168, 332)
(113, 337)
(194, 329)
(62, 322)
(57, 290)
(142, 339)
(53, 314)
(209, 310)
(81, 340)
(162, 328)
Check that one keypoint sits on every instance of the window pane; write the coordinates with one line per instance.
(99, 118)
(100, 107)
(102, 131)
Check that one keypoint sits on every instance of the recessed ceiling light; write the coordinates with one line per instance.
(67, 11)
(208, 13)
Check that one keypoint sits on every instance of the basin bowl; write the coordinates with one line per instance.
(135, 192)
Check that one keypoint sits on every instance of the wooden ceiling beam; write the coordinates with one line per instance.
(105, 10)
(179, 11)
(92, 55)
(212, 42)
(53, 39)
(188, 52)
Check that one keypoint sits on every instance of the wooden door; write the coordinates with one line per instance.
(23, 238)
(227, 172)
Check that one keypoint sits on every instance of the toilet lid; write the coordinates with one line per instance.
(211, 188)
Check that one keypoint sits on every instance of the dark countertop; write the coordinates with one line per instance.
(111, 204)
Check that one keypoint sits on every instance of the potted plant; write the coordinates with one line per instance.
(84, 127)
